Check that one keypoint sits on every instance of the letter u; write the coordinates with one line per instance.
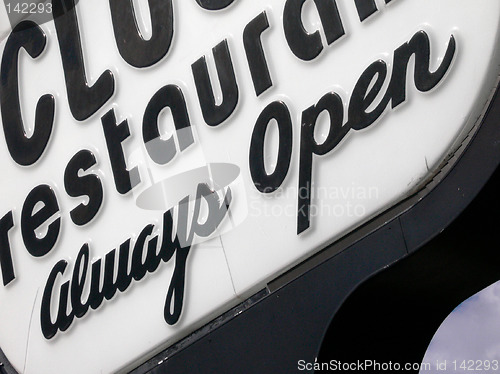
(133, 48)
(212, 113)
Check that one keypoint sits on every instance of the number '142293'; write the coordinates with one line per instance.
(28, 8)
(476, 365)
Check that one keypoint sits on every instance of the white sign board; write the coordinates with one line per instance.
(163, 160)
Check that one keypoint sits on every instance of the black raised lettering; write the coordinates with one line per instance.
(264, 182)
(163, 151)
(214, 4)
(332, 104)
(109, 286)
(124, 277)
(366, 8)
(63, 321)
(425, 80)
(139, 268)
(96, 294)
(133, 48)
(84, 100)
(23, 150)
(30, 222)
(308, 46)
(363, 95)
(140, 264)
(8, 275)
(115, 134)
(255, 53)
(168, 244)
(78, 282)
(212, 113)
(87, 185)
(217, 212)
(175, 293)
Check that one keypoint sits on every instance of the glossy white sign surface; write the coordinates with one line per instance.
(257, 210)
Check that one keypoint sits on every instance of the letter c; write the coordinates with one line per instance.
(23, 150)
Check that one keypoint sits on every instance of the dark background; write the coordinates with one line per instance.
(424, 288)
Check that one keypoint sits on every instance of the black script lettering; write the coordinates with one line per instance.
(332, 104)
(6, 223)
(96, 296)
(163, 151)
(364, 94)
(63, 321)
(30, 221)
(115, 134)
(255, 53)
(23, 150)
(214, 4)
(78, 282)
(83, 99)
(425, 80)
(264, 182)
(87, 185)
(178, 243)
(109, 287)
(366, 8)
(133, 48)
(217, 212)
(308, 46)
(139, 268)
(214, 114)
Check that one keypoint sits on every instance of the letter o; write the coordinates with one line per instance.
(267, 183)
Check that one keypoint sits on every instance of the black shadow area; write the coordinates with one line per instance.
(393, 316)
